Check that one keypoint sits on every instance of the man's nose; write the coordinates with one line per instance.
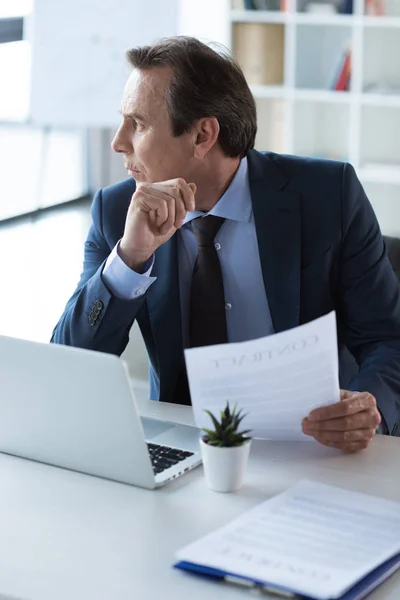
(121, 141)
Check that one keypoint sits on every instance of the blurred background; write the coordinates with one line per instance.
(325, 75)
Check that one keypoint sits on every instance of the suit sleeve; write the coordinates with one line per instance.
(94, 318)
(369, 301)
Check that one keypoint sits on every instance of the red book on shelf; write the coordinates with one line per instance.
(284, 5)
(343, 80)
(375, 7)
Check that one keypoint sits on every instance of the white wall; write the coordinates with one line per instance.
(78, 48)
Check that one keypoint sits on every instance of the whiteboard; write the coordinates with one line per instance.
(78, 55)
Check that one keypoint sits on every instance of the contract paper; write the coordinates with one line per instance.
(313, 539)
(277, 380)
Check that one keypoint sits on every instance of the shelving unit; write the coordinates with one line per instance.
(303, 115)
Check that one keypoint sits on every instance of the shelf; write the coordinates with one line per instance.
(299, 110)
(322, 96)
(315, 19)
(271, 91)
(319, 53)
(381, 48)
(381, 21)
(371, 99)
(269, 16)
(286, 93)
(268, 91)
(259, 16)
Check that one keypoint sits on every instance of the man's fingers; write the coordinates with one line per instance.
(346, 441)
(166, 225)
(350, 405)
(153, 218)
(169, 199)
(188, 191)
(349, 447)
(160, 202)
(348, 425)
(344, 394)
(366, 419)
(342, 438)
(153, 204)
(180, 209)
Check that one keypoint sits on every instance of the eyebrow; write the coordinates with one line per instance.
(132, 115)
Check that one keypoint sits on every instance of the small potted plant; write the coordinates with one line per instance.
(225, 451)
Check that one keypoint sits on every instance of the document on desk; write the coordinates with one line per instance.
(277, 380)
(314, 539)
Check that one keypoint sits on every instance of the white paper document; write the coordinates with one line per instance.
(277, 380)
(313, 539)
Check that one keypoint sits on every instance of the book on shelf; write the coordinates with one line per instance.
(274, 5)
(242, 5)
(344, 7)
(342, 76)
(259, 49)
(375, 8)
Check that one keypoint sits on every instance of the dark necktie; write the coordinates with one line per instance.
(207, 323)
(207, 320)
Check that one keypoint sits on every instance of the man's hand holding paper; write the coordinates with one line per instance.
(287, 384)
(348, 425)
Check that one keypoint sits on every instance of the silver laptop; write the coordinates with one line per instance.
(76, 409)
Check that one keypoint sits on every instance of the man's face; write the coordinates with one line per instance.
(151, 152)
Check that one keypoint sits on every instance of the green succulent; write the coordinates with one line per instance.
(225, 433)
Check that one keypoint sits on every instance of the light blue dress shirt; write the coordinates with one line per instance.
(247, 311)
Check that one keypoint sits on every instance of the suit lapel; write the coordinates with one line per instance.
(278, 225)
(163, 303)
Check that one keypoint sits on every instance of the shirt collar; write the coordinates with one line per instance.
(235, 203)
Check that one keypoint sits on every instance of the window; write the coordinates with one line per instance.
(40, 167)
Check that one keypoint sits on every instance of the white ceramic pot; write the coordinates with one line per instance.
(224, 468)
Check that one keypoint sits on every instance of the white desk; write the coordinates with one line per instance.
(67, 536)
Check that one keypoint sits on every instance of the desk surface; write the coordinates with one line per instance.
(65, 535)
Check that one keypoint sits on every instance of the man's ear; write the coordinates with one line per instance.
(206, 136)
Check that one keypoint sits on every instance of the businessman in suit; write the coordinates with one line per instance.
(210, 241)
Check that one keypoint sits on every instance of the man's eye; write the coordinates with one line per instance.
(136, 125)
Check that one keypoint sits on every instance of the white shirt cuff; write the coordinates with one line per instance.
(123, 282)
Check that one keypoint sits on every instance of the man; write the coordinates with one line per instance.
(284, 241)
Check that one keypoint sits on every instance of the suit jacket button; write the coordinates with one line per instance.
(91, 319)
(98, 305)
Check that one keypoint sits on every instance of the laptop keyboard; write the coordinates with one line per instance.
(164, 457)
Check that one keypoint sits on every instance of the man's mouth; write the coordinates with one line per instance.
(131, 169)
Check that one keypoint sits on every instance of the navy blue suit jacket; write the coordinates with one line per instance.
(320, 248)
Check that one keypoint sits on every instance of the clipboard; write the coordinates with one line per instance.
(358, 591)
